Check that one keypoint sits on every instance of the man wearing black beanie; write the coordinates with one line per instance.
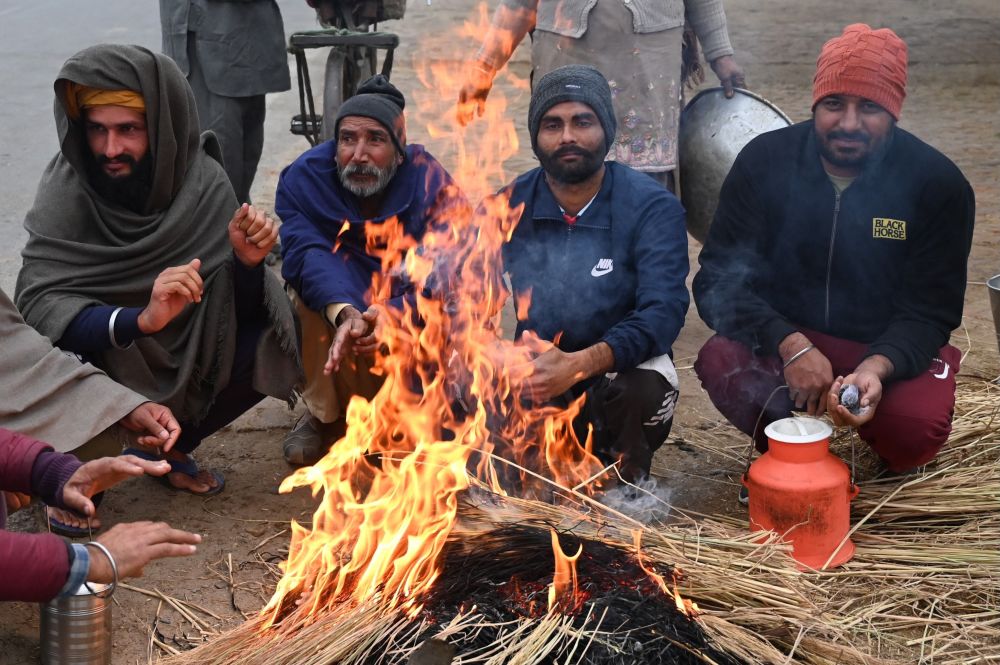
(600, 251)
(365, 174)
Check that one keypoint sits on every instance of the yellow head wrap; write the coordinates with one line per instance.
(81, 97)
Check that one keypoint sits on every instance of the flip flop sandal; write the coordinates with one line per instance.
(68, 530)
(188, 467)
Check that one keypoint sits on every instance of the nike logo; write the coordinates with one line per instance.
(603, 267)
(944, 372)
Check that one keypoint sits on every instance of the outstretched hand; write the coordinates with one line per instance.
(730, 75)
(472, 96)
(161, 428)
(357, 334)
(100, 474)
(173, 289)
(134, 545)
(252, 234)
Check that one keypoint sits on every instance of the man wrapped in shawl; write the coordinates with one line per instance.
(137, 261)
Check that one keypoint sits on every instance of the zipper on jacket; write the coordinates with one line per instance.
(829, 260)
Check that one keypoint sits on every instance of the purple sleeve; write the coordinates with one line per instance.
(88, 331)
(33, 567)
(49, 473)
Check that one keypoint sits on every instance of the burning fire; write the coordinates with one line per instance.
(451, 404)
(564, 590)
(685, 606)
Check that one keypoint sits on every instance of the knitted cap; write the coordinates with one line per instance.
(381, 101)
(573, 83)
(863, 62)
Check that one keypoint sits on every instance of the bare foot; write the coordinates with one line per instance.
(72, 519)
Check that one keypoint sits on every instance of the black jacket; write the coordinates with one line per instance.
(884, 263)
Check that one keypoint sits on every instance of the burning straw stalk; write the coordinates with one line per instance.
(923, 585)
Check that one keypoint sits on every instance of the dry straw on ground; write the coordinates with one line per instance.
(923, 587)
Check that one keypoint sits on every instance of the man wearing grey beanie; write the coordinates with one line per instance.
(601, 253)
(366, 174)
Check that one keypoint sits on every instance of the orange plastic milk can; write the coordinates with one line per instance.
(802, 491)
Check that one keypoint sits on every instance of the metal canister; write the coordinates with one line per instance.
(76, 629)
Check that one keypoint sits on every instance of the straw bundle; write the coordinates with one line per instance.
(924, 586)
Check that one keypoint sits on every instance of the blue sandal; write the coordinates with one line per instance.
(68, 530)
(188, 467)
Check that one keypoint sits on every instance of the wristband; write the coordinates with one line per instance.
(798, 354)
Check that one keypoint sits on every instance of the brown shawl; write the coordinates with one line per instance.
(49, 395)
(85, 250)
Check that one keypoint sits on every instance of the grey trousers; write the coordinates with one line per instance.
(238, 122)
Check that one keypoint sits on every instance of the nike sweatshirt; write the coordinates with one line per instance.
(615, 274)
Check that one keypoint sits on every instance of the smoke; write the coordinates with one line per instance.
(644, 500)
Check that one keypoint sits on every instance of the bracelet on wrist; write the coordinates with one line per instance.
(798, 354)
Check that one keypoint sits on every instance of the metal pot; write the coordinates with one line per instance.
(76, 629)
(713, 130)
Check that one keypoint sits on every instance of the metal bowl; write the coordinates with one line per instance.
(713, 131)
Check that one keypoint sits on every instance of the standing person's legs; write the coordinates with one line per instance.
(632, 414)
(254, 110)
(224, 117)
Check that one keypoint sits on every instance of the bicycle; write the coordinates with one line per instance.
(350, 31)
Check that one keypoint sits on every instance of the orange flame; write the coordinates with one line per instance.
(564, 591)
(685, 606)
(451, 402)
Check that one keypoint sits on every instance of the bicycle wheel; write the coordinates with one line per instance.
(346, 68)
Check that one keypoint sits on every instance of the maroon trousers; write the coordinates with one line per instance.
(912, 421)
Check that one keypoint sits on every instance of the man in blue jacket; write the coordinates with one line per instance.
(366, 174)
(838, 256)
(600, 253)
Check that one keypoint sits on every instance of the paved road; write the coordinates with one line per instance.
(36, 37)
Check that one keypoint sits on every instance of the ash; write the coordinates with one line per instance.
(505, 574)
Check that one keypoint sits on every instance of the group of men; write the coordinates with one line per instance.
(838, 256)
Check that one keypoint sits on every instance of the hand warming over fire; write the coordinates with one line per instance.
(357, 333)
(472, 96)
(807, 372)
(555, 371)
(252, 234)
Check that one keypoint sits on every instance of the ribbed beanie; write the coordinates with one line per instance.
(573, 83)
(863, 62)
(381, 101)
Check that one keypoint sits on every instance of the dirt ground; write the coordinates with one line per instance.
(953, 103)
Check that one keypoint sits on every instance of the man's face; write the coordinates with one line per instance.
(850, 130)
(366, 156)
(570, 142)
(117, 138)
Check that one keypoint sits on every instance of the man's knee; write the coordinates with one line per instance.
(906, 440)
(717, 360)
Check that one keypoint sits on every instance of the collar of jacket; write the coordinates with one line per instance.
(599, 215)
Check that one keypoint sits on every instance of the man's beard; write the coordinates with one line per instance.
(572, 173)
(872, 150)
(361, 190)
(129, 191)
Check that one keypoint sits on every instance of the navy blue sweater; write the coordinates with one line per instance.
(883, 263)
(616, 275)
(327, 264)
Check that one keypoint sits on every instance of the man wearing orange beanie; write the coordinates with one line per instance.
(837, 257)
